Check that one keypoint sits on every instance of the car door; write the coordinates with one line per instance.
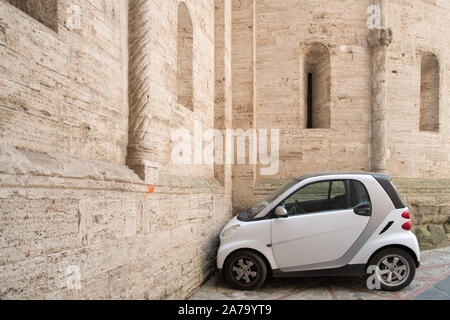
(321, 224)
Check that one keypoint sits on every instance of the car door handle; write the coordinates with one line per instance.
(363, 209)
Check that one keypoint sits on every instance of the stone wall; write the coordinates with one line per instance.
(43, 11)
(60, 214)
(70, 208)
(65, 91)
(429, 204)
(270, 44)
(418, 27)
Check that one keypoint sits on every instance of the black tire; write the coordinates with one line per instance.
(245, 270)
(401, 274)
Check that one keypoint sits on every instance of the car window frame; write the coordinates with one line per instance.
(347, 192)
(365, 188)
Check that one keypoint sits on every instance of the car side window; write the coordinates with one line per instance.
(337, 189)
(358, 193)
(317, 197)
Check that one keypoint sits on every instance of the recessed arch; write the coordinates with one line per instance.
(429, 92)
(317, 80)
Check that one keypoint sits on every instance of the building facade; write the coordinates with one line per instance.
(92, 94)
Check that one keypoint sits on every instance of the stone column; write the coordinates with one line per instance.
(379, 40)
(140, 151)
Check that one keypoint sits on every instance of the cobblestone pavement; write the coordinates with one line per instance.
(432, 281)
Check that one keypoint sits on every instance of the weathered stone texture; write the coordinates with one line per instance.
(270, 45)
(67, 200)
(65, 92)
(60, 212)
(43, 11)
(429, 204)
(419, 27)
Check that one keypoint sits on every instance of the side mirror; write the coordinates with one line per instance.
(281, 212)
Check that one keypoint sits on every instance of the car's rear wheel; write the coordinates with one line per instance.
(395, 268)
(245, 270)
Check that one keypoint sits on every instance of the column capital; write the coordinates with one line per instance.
(380, 37)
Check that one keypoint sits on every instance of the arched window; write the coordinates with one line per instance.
(317, 86)
(429, 93)
(185, 57)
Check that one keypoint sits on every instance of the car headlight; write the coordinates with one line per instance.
(228, 232)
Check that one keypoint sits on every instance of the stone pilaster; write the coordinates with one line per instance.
(140, 151)
(379, 40)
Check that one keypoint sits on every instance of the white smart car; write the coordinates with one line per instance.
(323, 224)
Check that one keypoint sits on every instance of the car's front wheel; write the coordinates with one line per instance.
(245, 270)
(395, 268)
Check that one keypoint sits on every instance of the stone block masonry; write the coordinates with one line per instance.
(62, 213)
(429, 203)
(76, 222)
(65, 91)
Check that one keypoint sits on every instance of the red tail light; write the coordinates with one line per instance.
(407, 226)
(406, 215)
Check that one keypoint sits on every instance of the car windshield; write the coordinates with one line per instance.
(272, 197)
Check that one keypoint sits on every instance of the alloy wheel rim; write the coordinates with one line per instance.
(245, 270)
(393, 270)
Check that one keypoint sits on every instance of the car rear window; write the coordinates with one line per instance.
(358, 193)
(391, 191)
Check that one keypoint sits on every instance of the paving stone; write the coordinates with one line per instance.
(432, 294)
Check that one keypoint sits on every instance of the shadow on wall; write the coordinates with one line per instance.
(43, 11)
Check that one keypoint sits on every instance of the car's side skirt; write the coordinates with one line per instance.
(353, 270)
